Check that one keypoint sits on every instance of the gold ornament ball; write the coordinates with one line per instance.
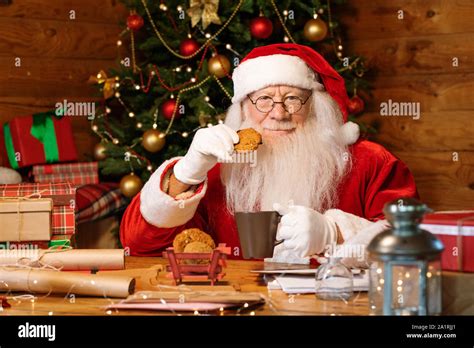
(219, 65)
(130, 185)
(152, 142)
(99, 152)
(315, 30)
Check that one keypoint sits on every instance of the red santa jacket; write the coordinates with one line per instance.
(376, 177)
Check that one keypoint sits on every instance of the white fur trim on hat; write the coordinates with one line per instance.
(278, 69)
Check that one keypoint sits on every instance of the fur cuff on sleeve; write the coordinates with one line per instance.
(162, 210)
(349, 224)
(357, 233)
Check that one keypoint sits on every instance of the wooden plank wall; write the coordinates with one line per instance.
(412, 59)
(58, 54)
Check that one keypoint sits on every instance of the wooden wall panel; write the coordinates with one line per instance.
(90, 11)
(426, 55)
(434, 131)
(444, 180)
(24, 37)
(372, 19)
(441, 92)
(411, 61)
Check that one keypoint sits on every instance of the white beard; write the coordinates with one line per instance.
(303, 167)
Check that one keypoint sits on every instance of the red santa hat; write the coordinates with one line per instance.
(293, 65)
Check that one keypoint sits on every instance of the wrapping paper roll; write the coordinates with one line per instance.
(66, 260)
(49, 281)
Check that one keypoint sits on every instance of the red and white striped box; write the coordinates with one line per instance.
(64, 202)
(81, 173)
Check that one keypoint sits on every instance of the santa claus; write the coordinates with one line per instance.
(329, 185)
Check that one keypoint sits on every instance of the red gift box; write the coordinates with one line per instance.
(39, 138)
(64, 202)
(76, 173)
(455, 229)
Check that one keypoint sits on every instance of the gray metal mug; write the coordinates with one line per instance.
(257, 233)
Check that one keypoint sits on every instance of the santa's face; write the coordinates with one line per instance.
(278, 110)
(302, 158)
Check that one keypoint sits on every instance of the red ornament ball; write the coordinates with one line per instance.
(167, 109)
(355, 105)
(188, 47)
(134, 22)
(261, 27)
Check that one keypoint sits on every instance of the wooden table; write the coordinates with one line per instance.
(238, 277)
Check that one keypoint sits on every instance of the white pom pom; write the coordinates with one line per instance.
(9, 176)
(350, 132)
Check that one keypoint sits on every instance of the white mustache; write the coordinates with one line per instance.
(281, 126)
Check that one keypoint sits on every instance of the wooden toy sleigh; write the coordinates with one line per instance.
(185, 267)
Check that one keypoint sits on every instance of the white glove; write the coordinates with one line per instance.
(304, 230)
(208, 146)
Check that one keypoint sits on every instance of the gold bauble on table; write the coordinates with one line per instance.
(99, 151)
(130, 185)
(219, 66)
(153, 141)
(315, 30)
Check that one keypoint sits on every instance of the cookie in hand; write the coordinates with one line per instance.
(249, 140)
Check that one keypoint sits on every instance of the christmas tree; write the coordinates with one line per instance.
(176, 62)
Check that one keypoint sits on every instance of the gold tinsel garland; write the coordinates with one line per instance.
(212, 37)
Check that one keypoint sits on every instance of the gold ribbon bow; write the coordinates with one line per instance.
(109, 83)
(205, 10)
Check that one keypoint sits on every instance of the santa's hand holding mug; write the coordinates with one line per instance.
(304, 231)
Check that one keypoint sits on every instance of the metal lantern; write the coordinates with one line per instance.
(405, 271)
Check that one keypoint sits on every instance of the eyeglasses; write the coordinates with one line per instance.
(291, 104)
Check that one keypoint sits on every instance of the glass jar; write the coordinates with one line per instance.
(334, 281)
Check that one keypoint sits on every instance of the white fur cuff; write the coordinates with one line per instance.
(162, 210)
